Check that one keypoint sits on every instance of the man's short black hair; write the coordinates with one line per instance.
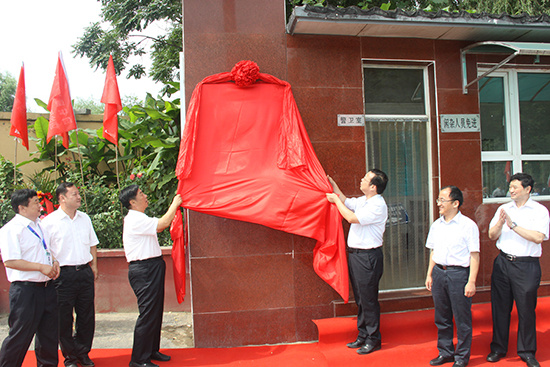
(127, 194)
(21, 197)
(525, 179)
(380, 180)
(455, 194)
(62, 189)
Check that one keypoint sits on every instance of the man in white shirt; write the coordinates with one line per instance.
(30, 268)
(368, 215)
(519, 227)
(453, 241)
(74, 242)
(146, 272)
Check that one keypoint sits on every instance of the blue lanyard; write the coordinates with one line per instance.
(42, 240)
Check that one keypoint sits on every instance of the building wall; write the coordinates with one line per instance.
(255, 285)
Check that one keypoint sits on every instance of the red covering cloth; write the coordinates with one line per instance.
(19, 112)
(245, 155)
(111, 98)
(178, 255)
(62, 118)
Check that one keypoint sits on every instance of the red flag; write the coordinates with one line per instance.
(111, 98)
(178, 255)
(62, 118)
(19, 112)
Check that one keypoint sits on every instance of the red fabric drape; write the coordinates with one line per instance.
(245, 155)
(19, 112)
(178, 255)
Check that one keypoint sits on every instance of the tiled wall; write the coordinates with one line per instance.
(255, 285)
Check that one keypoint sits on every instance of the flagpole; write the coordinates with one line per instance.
(81, 170)
(15, 164)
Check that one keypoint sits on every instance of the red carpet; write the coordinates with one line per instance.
(409, 339)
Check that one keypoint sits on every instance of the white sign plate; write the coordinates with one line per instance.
(459, 123)
(351, 120)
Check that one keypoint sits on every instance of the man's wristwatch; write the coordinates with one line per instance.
(514, 225)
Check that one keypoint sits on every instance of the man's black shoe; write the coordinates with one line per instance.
(459, 364)
(368, 348)
(495, 356)
(356, 344)
(158, 356)
(441, 360)
(146, 364)
(86, 362)
(70, 364)
(531, 361)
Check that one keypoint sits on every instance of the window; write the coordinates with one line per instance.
(515, 130)
(397, 142)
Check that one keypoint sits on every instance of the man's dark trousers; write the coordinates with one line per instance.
(450, 301)
(33, 310)
(517, 281)
(75, 290)
(147, 280)
(366, 268)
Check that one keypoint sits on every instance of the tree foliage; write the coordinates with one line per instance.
(122, 21)
(8, 85)
(121, 33)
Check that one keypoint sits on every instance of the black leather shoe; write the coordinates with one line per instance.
(158, 356)
(70, 364)
(356, 344)
(495, 356)
(146, 364)
(86, 362)
(531, 362)
(459, 364)
(368, 348)
(441, 360)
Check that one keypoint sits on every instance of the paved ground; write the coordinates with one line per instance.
(115, 330)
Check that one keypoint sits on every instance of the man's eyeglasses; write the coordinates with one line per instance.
(440, 201)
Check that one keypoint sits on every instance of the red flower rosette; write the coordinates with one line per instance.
(245, 73)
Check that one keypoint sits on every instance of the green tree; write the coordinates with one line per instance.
(119, 34)
(8, 84)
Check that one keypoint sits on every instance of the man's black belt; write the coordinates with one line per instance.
(75, 267)
(146, 260)
(358, 250)
(518, 258)
(450, 267)
(34, 284)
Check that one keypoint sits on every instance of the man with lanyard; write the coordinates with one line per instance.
(453, 241)
(519, 227)
(367, 215)
(30, 267)
(146, 272)
(73, 241)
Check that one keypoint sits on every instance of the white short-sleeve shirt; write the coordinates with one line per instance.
(533, 216)
(453, 241)
(70, 239)
(139, 236)
(372, 215)
(18, 242)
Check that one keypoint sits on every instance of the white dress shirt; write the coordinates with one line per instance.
(531, 215)
(70, 239)
(453, 241)
(139, 236)
(18, 242)
(372, 215)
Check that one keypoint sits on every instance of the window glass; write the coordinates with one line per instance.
(540, 171)
(492, 114)
(394, 91)
(495, 179)
(534, 97)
